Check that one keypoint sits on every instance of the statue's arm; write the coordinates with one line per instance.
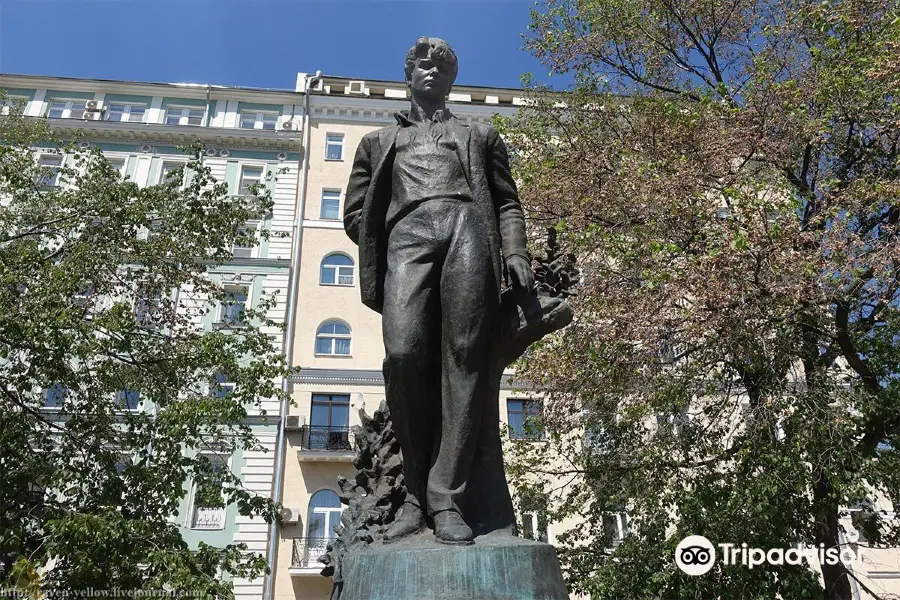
(357, 187)
(510, 218)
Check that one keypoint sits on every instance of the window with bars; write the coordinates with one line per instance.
(66, 109)
(333, 338)
(331, 205)
(184, 116)
(127, 113)
(334, 146)
(259, 120)
(337, 269)
(250, 176)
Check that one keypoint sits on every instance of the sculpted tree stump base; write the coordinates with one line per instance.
(420, 568)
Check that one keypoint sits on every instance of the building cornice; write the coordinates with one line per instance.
(111, 86)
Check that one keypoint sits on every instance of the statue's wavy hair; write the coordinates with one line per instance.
(437, 50)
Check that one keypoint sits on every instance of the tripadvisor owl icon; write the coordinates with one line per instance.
(695, 555)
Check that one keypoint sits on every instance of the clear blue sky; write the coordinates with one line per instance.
(260, 43)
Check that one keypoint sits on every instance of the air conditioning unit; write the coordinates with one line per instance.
(93, 105)
(91, 115)
(290, 515)
(294, 422)
(289, 126)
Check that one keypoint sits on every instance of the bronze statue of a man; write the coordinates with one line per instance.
(436, 215)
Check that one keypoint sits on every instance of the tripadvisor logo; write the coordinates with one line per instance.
(695, 555)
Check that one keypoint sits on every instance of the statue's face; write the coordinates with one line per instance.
(430, 79)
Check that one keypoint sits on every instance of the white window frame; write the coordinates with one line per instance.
(10, 100)
(333, 337)
(54, 181)
(252, 251)
(258, 119)
(126, 114)
(113, 158)
(123, 407)
(621, 527)
(192, 508)
(240, 181)
(337, 270)
(184, 118)
(67, 110)
(535, 520)
(328, 144)
(248, 303)
(340, 199)
(161, 177)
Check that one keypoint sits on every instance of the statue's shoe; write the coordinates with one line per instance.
(450, 528)
(410, 520)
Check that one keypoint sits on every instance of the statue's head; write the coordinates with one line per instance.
(431, 68)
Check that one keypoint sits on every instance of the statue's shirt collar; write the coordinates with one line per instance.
(407, 118)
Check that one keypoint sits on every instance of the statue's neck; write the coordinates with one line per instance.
(423, 109)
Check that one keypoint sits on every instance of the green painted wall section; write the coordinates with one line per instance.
(63, 94)
(252, 106)
(128, 98)
(19, 92)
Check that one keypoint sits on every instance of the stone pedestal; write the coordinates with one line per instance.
(419, 568)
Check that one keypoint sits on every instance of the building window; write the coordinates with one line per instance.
(331, 205)
(222, 386)
(169, 173)
(333, 338)
(258, 120)
(184, 116)
(250, 176)
(55, 395)
(128, 399)
(209, 504)
(615, 526)
(334, 146)
(245, 241)
(324, 515)
(523, 416)
(13, 104)
(535, 525)
(337, 269)
(129, 113)
(50, 165)
(118, 164)
(66, 109)
(329, 427)
(234, 306)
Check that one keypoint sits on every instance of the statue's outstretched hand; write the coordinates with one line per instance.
(520, 272)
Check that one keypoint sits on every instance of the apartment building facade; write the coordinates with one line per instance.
(246, 134)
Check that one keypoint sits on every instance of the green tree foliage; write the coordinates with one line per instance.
(726, 172)
(102, 288)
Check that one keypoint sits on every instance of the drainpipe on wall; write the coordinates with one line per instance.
(291, 313)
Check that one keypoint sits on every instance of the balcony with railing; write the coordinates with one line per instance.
(326, 444)
(305, 555)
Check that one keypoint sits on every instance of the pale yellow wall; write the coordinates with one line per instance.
(318, 303)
